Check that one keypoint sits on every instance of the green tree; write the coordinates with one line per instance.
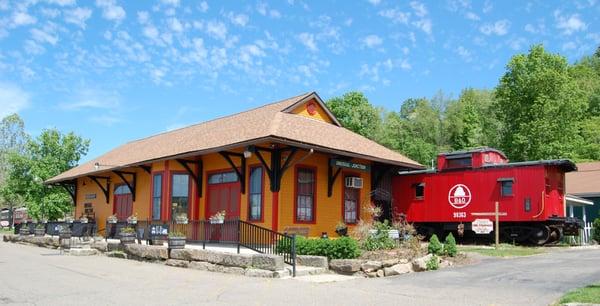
(355, 112)
(44, 157)
(540, 106)
(12, 140)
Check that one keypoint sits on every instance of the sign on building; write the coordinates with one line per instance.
(482, 226)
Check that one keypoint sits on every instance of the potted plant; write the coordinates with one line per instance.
(181, 218)
(176, 240)
(83, 219)
(112, 219)
(24, 230)
(127, 235)
(69, 219)
(218, 218)
(40, 230)
(341, 229)
(132, 219)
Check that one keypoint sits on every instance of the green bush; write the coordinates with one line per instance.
(340, 248)
(450, 245)
(596, 230)
(381, 239)
(435, 247)
(433, 263)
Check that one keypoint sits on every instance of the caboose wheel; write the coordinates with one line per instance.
(540, 235)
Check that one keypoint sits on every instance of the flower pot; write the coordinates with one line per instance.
(176, 243)
(39, 232)
(24, 231)
(112, 221)
(127, 238)
(342, 231)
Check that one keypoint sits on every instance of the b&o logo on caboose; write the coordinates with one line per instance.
(459, 196)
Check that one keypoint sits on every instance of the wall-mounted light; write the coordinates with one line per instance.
(248, 151)
(97, 166)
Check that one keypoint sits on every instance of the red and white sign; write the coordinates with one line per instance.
(459, 196)
(482, 226)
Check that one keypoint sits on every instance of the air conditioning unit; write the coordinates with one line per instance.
(354, 182)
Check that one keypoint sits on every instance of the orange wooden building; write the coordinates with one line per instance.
(289, 166)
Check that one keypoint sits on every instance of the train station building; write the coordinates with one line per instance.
(288, 166)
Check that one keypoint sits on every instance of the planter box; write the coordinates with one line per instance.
(24, 231)
(39, 232)
(176, 243)
(127, 238)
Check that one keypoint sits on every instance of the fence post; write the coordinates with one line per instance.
(239, 224)
(293, 255)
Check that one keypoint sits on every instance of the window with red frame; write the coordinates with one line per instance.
(255, 194)
(305, 198)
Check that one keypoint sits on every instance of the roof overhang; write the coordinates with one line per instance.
(577, 201)
(273, 139)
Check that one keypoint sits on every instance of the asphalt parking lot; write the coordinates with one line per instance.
(36, 276)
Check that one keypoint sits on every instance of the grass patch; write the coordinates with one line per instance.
(4, 230)
(587, 294)
(504, 250)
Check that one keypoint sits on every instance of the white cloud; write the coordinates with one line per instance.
(570, 24)
(45, 35)
(106, 120)
(238, 19)
(263, 9)
(487, 7)
(203, 7)
(472, 16)
(419, 8)
(171, 2)
(175, 25)
(22, 18)
(143, 17)
(13, 99)
(249, 52)
(517, 43)
(375, 2)
(569, 46)
(464, 53)
(499, 28)
(217, 29)
(92, 99)
(151, 32)
(372, 41)
(50, 12)
(424, 25)
(308, 40)
(78, 16)
(395, 15)
(110, 10)
(61, 2)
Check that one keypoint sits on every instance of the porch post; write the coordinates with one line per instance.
(275, 210)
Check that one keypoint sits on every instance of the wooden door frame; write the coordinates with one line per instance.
(115, 197)
(207, 201)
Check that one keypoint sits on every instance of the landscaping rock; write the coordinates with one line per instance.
(177, 263)
(200, 265)
(236, 260)
(345, 266)
(116, 254)
(101, 246)
(267, 262)
(445, 264)
(259, 273)
(398, 269)
(380, 273)
(82, 252)
(283, 273)
(148, 252)
(5, 238)
(370, 274)
(420, 264)
(390, 262)
(312, 261)
(182, 254)
(234, 270)
(371, 266)
(114, 246)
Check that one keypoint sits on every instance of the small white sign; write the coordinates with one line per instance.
(482, 226)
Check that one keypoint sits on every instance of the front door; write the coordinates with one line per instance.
(224, 194)
(123, 202)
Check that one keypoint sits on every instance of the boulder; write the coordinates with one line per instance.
(345, 266)
(420, 264)
(398, 269)
(5, 238)
(116, 254)
(177, 263)
(200, 265)
(312, 261)
(234, 270)
(259, 273)
(114, 246)
(182, 254)
(148, 252)
(370, 266)
(236, 260)
(267, 262)
(380, 273)
(389, 262)
(101, 246)
(82, 252)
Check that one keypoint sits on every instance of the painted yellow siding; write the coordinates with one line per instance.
(320, 113)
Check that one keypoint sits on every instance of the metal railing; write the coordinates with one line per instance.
(234, 232)
(52, 228)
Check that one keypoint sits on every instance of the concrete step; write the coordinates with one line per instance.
(304, 270)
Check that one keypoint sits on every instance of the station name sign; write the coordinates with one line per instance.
(349, 165)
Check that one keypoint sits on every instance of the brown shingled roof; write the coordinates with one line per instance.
(586, 181)
(271, 122)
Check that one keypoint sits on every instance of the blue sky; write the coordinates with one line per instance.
(115, 71)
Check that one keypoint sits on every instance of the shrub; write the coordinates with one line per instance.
(340, 248)
(435, 247)
(450, 245)
(381, 239)
(433, 263)
(596, 230)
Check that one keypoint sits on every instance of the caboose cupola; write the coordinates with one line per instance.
(470, 159)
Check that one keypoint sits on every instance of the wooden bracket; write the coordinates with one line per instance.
(241, 173)
(196, 176)
(106, 189)
(148, 169)
(71, 188)
(275, 171)
(131, 185)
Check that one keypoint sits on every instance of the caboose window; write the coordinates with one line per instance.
(506, 186)
(463, 162)
(419, 190)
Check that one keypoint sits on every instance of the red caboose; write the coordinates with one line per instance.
(466, 185)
